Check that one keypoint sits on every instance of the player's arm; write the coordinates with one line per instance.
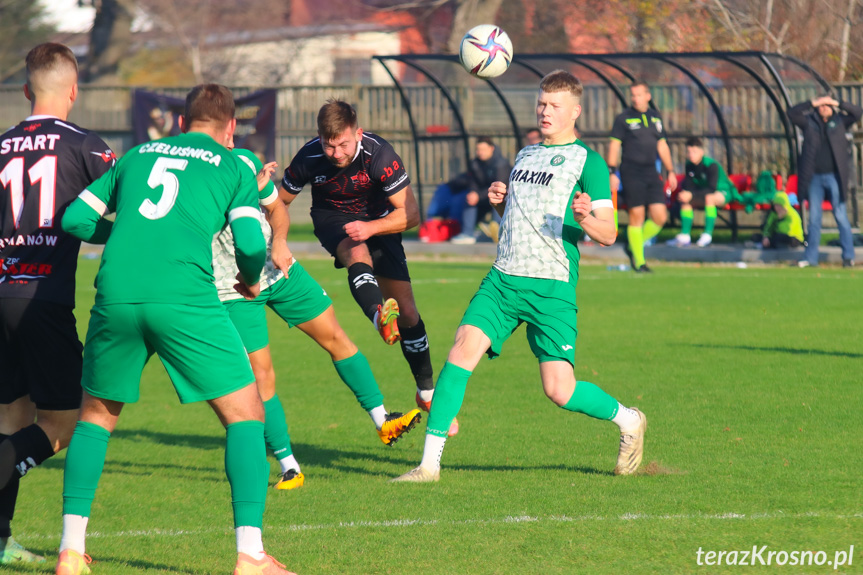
(83, 219)
(612, 158)
(665, 156)
(84, 216)
(497, 197)
(712, 178)
(591, 205)
(597, 222)
(280, 221)
(250, 248)
(404, 216)
(277, 217)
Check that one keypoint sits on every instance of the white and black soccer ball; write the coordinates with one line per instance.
(486, 51)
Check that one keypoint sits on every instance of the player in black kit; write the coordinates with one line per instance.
(361, 202)
(45, 162)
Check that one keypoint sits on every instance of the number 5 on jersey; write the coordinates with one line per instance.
(160, 176)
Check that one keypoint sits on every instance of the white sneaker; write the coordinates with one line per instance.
(704, 240)
(463, 239)
(680, 241)
(417, 475)
(631, 447)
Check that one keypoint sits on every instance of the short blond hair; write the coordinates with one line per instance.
(561, 81)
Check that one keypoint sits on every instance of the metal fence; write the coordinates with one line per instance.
(755, 127)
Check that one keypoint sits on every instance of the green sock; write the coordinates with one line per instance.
(686, 216)
(636, 244)
(651, 228)
(84, 462)
(448, 397)
(709, 219)
(591, 400)
(276, 428)
(357, 375)
(247, 470)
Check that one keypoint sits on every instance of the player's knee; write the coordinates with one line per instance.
(558, 392)
(469, 346)
(339, 345)
(265, 379)
(58, 427)
(408, 316)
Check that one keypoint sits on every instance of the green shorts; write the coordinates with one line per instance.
(198, 346)
(503, 302)
(296, 299)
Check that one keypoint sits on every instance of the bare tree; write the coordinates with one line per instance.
(469, 13)
(817, 31)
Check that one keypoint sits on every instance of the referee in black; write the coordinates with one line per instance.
(638, 130)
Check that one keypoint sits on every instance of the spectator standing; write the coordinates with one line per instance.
(824, 170)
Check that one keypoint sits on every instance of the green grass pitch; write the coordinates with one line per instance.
(750, 378)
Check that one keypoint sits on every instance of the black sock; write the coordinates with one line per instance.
(365, 289)
(30, 447)
(415, 347)
(8, 497)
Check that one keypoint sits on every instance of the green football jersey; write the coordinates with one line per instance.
(171, 196)
(538, 233)
(224, 260)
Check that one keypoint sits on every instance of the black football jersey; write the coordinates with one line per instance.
(361, 189)
(639, 134)
(44, 164)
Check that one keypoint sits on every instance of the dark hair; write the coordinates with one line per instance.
(641, 83)
(561, 81)
(335, 117)
(694, 142)
(485, 140)
(209, 103)
(49, 57)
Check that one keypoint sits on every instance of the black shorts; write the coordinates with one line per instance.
(40, 354)
(641, 186)
(388, 254)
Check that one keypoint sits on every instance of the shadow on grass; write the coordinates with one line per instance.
(561, 467)
(143, 565)
(789, 350)
(342, 460)
(176, 439)
(150, 468)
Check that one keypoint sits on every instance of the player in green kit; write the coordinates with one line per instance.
(558, 191)
(300, 301)
(155, 294)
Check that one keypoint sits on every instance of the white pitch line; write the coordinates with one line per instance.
(509, 519)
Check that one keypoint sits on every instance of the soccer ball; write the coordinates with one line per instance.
(485, 51)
